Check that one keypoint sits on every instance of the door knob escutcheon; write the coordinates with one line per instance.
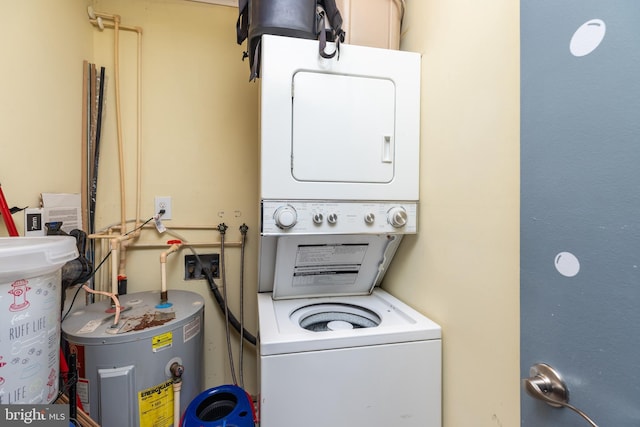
(546, 384)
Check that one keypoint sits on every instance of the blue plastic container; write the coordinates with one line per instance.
(223, 406)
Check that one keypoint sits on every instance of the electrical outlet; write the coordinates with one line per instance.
(193, 269)
(163, 202)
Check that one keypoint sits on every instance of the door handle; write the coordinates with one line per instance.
(546, 384)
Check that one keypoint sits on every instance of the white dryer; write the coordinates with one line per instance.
(345, 128)
(339, 162)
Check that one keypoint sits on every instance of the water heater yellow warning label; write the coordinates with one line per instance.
(162, 341)
(156, 405)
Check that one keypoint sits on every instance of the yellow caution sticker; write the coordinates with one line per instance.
(162, 341)
(156, 405)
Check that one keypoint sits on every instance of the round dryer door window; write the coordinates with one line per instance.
(334, 317)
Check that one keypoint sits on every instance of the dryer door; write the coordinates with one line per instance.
(343, 128)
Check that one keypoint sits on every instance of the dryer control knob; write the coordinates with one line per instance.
(318, 218)
(397, 217)
(285, 217)
(332, 218)
(369, 218)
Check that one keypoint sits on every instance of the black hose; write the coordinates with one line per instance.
(216, 293)
(243, 232)
(222, 228)
(232, 319)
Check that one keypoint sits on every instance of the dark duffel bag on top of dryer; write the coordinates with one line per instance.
(308, 19)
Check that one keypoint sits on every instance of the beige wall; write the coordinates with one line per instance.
(462, 269)
(199, 133)
(43, 45)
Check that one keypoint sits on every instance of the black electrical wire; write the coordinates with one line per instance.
(80, 287)
(141, 225)
(74, 421)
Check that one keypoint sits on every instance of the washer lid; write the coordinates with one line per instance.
(322, 265)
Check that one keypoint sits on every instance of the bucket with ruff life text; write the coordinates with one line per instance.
(30, 298)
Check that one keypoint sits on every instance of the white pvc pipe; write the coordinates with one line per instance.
(114, 243)
(97, 19)
(175, 245)
(113, 297)
(177, 385)
(139, 134)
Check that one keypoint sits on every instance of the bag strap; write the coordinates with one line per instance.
(256, 59)
(322, 39)
(330, 10)
(242, 24)
(335, 18)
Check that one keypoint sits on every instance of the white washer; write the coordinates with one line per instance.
(335, 349)
(386, 373)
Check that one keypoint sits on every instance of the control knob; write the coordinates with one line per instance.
(369, 218)
(285, 217)
(318, 218)
(332, 218)
(397, 217)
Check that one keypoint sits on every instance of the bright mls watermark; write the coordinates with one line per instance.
(34, 415)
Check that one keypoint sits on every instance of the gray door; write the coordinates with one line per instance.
(580, 207)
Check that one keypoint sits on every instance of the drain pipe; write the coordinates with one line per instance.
(115, 20)
(117, 246)
(102, 20)
(175, 245)
(114, 245)
(176, 374)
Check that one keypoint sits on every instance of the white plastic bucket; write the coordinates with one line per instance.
(30, 298)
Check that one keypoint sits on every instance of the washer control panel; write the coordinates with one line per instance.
(324, 217)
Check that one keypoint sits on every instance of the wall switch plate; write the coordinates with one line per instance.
(193, 268)
(163, 202)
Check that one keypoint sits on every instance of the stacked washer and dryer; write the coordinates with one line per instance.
(339, 184)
